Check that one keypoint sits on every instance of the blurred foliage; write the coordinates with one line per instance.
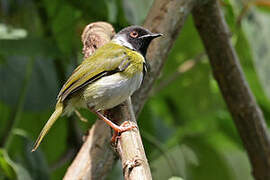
(187, 131)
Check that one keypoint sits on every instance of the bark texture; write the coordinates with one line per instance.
(130, 149)
(227, 71)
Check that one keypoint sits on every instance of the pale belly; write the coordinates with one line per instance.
(110, 91)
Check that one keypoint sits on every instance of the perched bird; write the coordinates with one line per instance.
(105, 79)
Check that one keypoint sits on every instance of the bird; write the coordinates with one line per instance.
(105, 79)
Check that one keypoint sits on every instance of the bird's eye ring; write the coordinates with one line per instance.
(134, 34)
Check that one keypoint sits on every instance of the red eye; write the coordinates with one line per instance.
(134, 34)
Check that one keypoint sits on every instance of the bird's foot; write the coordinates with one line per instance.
(125, 126)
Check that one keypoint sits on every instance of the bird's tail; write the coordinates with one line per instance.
(55, 115)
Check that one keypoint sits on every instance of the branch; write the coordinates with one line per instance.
(241, 103)
(130, 149)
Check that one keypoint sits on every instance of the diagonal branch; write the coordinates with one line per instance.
(247, 115)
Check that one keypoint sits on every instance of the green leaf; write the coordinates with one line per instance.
(183, 157)
(64, 26)
(229, 15)
(20, 172)
(5, 166)
(42, 88)
(7, 32)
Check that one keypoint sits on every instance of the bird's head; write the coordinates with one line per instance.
(136, 38)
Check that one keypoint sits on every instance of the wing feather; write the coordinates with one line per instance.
(114, 58)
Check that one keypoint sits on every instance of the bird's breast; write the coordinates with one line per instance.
(110, 91)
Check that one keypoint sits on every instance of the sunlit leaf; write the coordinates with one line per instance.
(11, 33)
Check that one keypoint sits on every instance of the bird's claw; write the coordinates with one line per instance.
(125, 126)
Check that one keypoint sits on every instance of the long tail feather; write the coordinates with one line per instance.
(56, 114)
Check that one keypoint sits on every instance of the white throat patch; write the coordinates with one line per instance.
(121, 40)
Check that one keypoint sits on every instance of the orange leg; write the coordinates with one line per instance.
(115, 137)
(125, 126)
(116, 133)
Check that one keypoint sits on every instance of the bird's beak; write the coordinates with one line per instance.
(151, 36)
(155, 35)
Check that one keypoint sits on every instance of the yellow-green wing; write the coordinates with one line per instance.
(108, 59)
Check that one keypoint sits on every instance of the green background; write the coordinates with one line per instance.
(186, 128)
